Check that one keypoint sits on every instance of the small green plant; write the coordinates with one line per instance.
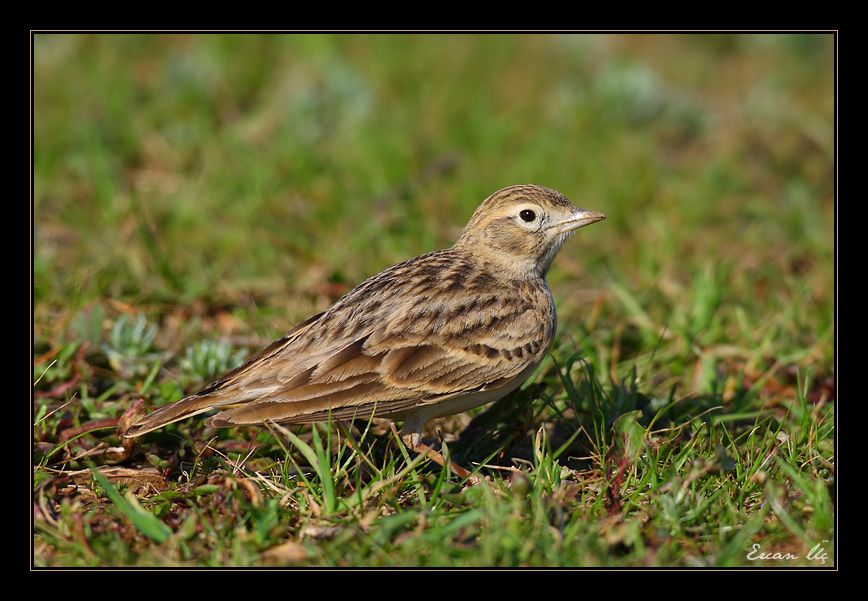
(209, 358)
(59, 369)
(130, 347)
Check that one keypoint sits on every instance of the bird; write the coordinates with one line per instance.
(432, 336)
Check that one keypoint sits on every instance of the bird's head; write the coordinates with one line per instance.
(520, 229)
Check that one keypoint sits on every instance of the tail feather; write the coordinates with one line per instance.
(188, 407)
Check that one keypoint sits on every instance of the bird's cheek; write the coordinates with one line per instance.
(505, 239)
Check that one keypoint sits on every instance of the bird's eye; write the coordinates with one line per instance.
(527, 215)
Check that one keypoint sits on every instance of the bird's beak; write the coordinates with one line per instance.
(580, 218)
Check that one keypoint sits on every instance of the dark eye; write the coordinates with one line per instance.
(527, 215)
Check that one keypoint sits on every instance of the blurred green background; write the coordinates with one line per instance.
(228, 186)
(179, 167)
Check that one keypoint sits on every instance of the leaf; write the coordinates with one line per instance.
(317, 461)
(325, 474)
(145, 521)
(630, 434)
(288, 552)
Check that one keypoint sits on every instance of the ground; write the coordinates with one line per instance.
(196, 196)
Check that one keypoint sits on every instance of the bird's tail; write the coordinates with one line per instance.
(187, 407)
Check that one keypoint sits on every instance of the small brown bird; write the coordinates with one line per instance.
(436, 335)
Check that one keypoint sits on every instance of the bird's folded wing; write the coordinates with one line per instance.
(418, 355)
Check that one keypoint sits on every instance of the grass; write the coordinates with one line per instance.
(196, 196)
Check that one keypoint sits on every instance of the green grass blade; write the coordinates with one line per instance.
(146, 522)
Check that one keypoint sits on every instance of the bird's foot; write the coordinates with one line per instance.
(413, 441)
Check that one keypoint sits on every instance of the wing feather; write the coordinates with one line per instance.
(394, 342)
(380, 374)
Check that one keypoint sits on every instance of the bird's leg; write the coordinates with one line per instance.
(412, 437)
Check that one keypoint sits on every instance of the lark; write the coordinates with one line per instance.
(433, 336)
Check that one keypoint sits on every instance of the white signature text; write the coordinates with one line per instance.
(818, 553)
